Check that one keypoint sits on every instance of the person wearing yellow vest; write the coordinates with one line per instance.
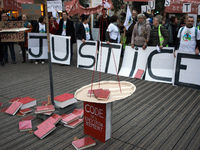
(159, 35)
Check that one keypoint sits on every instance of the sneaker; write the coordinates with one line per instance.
(36, 62)
(42, 62)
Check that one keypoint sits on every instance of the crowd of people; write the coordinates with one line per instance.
(144, 30)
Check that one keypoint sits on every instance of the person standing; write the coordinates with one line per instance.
(83, 30)
(172, 28)
(24, 45)
(113, 33)
(41, 28)
(53, 25)
(103, 23)
(5, 45)
(66, 28)
(141, 32)
(159, 35)
(188, 38)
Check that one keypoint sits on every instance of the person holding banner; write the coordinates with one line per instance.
(83, 29)
(53, 25)
(66, 28)
(113, 33)
(159, 35)
(24, 45)
(188, 38)
(141, 33)
(5, 45)
(41, 28)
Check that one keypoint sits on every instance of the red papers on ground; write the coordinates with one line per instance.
(1, 104)
(14, 99)
(44, 129)
(13, 108)
(139, 74)
(25, 125)
(83, 143)
(69, 118)
(43, 109)
(78, 112)
(74, 124)
(64, 100)
(28, 118)
(101, 94)
(3, 109)
(25, 111)
(27, 102)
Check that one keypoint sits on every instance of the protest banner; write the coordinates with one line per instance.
(187, 70)
(86, 54)
(160, 66)
(10, 5)
(37, 46)
(33, 11)
(54, 5)
(60, 49)
(12, 31)
(167, 3)
(109, 58)
(152, 4)
(145, 8)
(134, 59)
(186, 7)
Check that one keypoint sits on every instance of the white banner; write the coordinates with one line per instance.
(152, 4)
(187, 7)
(167, 3)
(60, 49)
(109, 57)
(86, 54)
(187, 70)
(160, 65)
(198, 9)
(37, 46)
(54, 5)
(145, 8)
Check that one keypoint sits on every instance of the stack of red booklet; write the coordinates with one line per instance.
(73, 119)
(27, 102)
(47, 126)
(45, 109)
(64, 100)
(101, 94)
(23, 112)
(25, 125)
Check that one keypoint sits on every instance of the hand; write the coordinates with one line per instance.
(160, 47)
(83, 40)
(132, 45)
(144, 47)
(124, 28)
(197, 51)
(174, 53)
(108, 42)
(53, 26)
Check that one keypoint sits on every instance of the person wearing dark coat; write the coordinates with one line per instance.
(103, 23)
(83, 29)
(66, 28)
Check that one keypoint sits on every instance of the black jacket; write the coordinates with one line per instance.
(70, 31)
(81, 32)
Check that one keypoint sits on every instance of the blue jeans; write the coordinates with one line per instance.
(5, 50)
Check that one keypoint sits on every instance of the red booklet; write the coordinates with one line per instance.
(28, 118)
(64, 100)
(13, 108)
(20, 114)
(74, 124)
(78, 112)
(45, 129)
(56, 117)
(4, 109)
(50, 120)
(44, 103)
(139, 74)
(25, 125)
(1, 104)
(14, 99)
(83, 143)
(27, 102)
(69, 118)
(25, 111)
(43, 109)
(102, 94)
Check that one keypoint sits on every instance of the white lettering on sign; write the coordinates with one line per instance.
(94, 111)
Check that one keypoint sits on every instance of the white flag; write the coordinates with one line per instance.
(129, 19)
(56, 15)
